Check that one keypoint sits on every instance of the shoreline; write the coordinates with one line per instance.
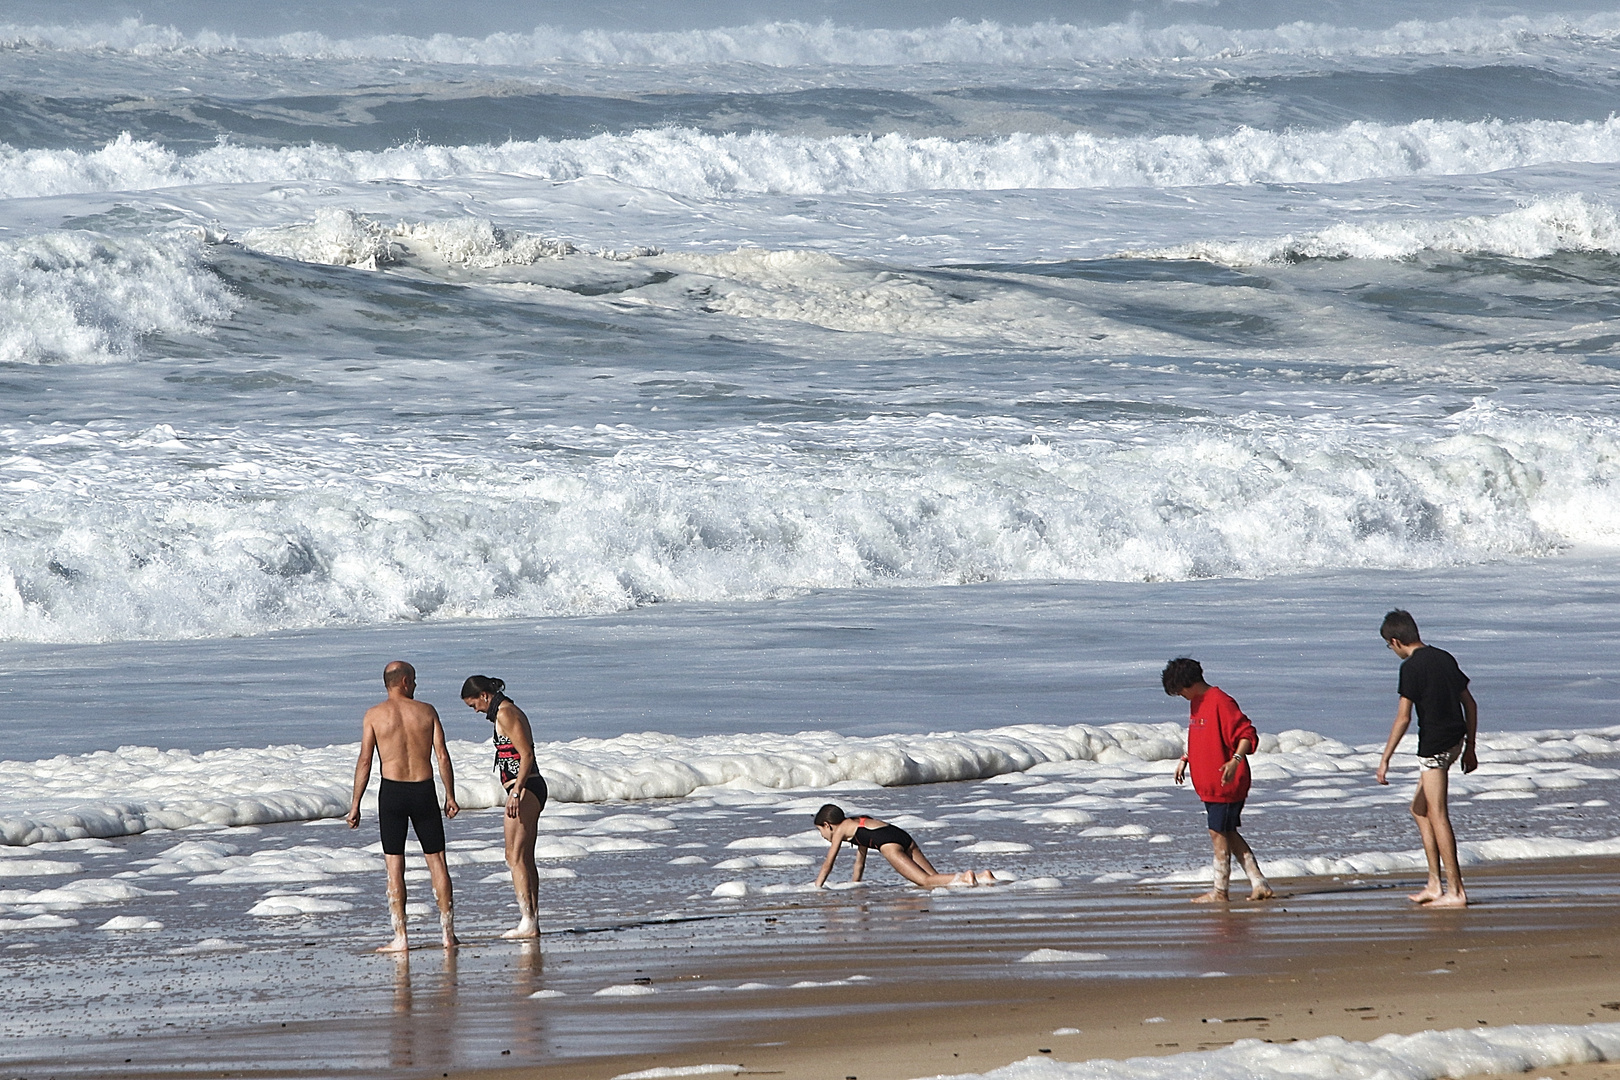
(1326, 958)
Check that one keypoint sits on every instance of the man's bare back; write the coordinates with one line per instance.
(405, 734)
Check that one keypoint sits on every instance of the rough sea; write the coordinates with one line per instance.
(790, 402)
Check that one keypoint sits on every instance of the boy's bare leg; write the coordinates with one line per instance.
(1431, 851)
(1434, 784)
(1220, 893)
(445, 895)
(396, 903)
(1259, 887)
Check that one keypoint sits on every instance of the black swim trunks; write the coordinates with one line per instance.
(400, 801)
(876, 838)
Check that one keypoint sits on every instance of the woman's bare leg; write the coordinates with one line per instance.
(520, 836)
(907, 867)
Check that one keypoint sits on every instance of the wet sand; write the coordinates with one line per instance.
(1540, 946)
(948, 993)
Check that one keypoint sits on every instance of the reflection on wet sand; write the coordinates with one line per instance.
(423, 1028)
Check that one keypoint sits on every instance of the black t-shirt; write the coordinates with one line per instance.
(1432, 680)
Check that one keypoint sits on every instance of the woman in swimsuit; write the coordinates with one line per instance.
(892, 842)
(525, 792)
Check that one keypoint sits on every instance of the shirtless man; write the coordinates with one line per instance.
(406, 734)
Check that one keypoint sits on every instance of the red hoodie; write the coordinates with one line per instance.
(1212, 734)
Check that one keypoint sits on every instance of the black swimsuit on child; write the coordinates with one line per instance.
(876, 838)
(507, 759)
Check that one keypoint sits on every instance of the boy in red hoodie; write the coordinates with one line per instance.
(1219, 739)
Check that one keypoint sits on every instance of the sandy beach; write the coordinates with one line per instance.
(948, 992)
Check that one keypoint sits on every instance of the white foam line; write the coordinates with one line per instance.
(698, 164)
(1427, 1055)
(243, 786)
(795, 43)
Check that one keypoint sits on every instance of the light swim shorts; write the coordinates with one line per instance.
(1443, 760)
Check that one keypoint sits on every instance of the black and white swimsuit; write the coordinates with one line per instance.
(507, 759)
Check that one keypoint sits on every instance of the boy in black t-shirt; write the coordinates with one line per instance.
(1448, 719)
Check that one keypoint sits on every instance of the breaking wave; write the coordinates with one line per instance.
(801, 44)
(693, 163)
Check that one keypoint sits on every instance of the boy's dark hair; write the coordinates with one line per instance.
(830, 814)
(1400, 626)
(1181, 673)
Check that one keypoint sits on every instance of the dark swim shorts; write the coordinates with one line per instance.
(1224, 816)
(398, 802)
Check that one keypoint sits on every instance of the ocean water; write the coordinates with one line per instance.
(791, 403)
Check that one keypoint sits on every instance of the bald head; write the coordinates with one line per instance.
(397, 673)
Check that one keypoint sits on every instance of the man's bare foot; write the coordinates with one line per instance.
(451, 941)
(525, 929)
(985, 877)
(1261, 892)
(1454, 899)
(1212, 897)
(398, 944)
(1428, 895)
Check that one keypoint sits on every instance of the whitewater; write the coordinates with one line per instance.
(856, 404)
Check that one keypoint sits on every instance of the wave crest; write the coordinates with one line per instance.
(1542, 228)
(130, 538)
(73, 297)
(693, 163)
(793, 43)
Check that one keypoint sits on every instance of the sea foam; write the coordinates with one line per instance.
(794, 43)
(75, 297)
(1427, 1055)
(165, 533)
(141, 788)
(699, 164)
(1540, 228)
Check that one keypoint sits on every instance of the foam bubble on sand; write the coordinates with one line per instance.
(130, 922)
(208, 945)
(780, 861)
(1061, 956)
(1427, 1055)
(308, 862)
(625, 990)
(543, 994)
(993, 847)
(76, 895)
(680, 1070)
(730, 890)
(36, 867)
(278, 906)
(690, 860)
(1035, 883)
(46, 921)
